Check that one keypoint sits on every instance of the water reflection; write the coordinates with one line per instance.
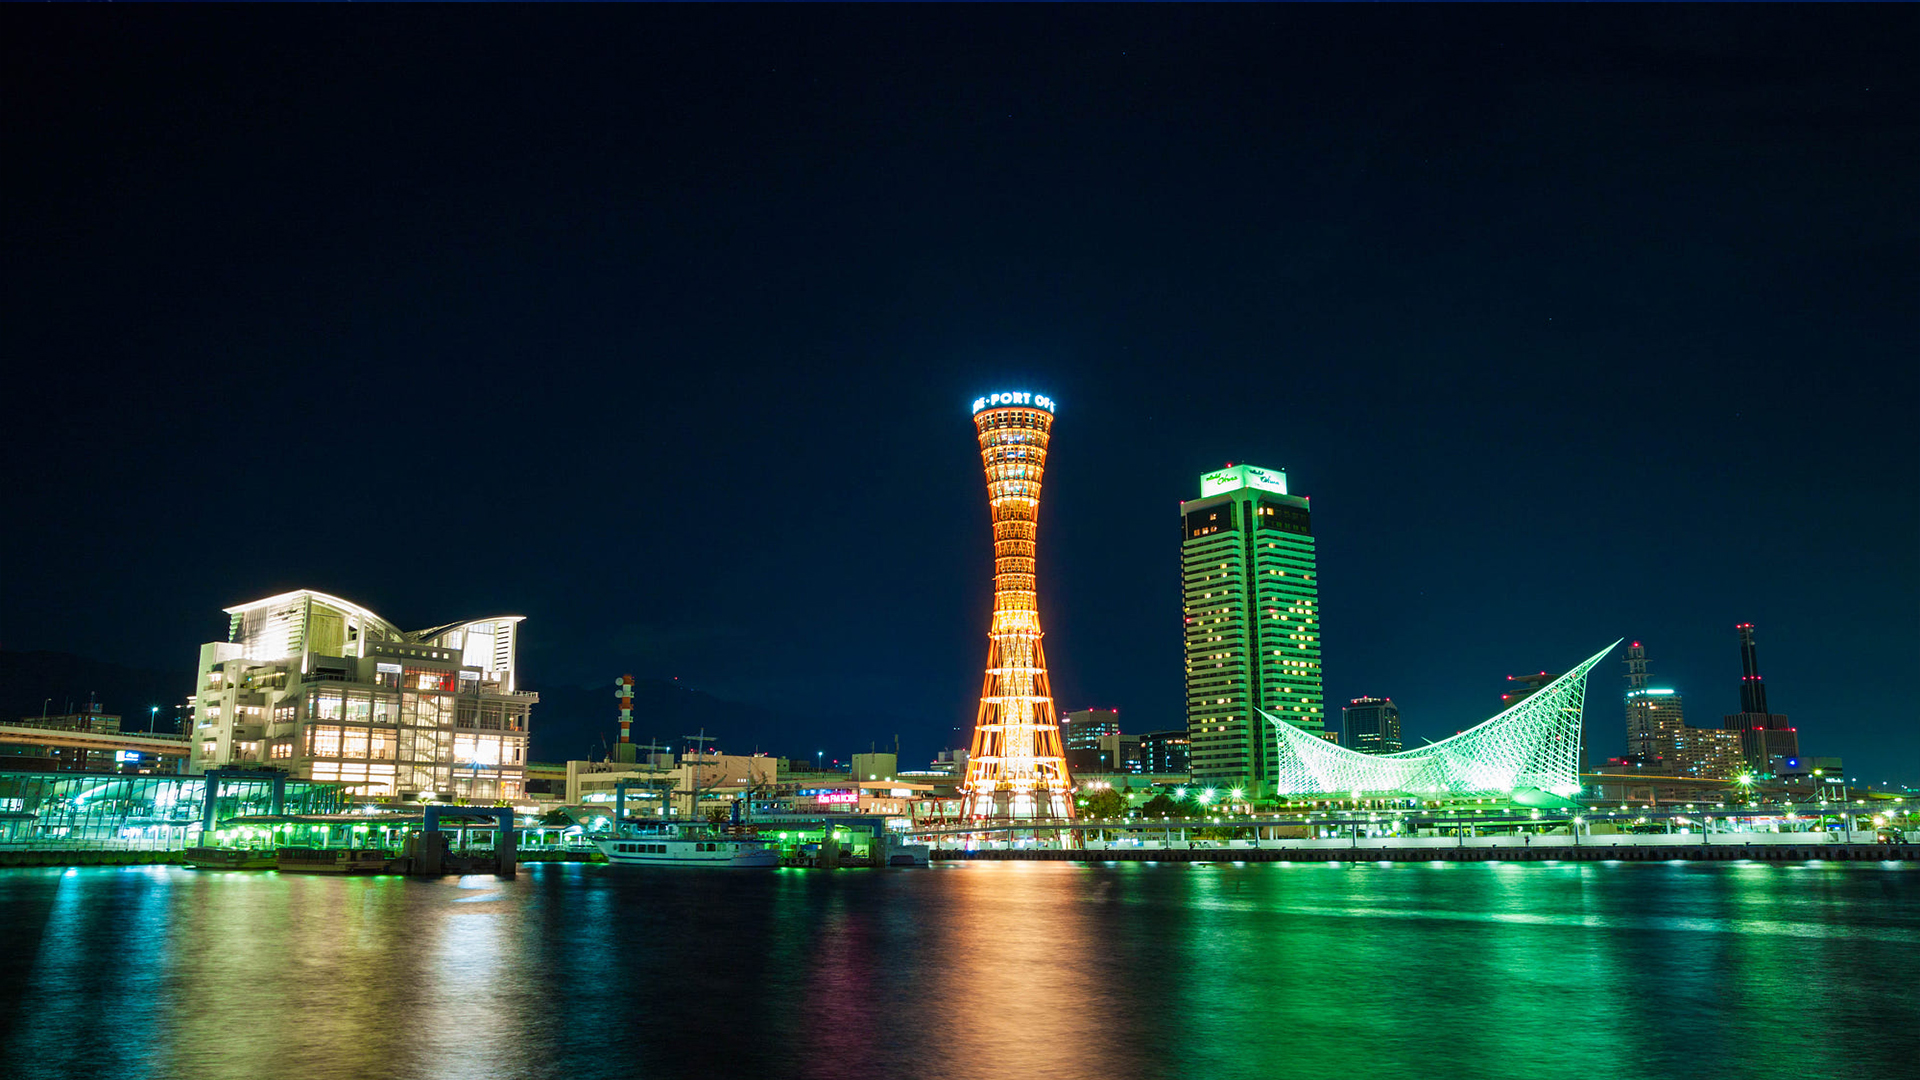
(961, 972)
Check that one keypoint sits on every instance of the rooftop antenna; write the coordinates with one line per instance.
(653, 749)
(699, 742)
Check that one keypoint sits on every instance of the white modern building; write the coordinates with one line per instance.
(327, 690)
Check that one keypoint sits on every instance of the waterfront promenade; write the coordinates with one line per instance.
(1336, 851)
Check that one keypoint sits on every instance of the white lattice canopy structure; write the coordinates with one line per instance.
(1534, 744)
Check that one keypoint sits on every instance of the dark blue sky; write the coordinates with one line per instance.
(659, 326)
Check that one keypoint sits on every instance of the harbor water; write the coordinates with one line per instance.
(969, 970)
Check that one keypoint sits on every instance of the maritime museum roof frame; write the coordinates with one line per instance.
(1534, 744)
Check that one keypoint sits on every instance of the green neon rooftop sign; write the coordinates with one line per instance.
(1235, 477)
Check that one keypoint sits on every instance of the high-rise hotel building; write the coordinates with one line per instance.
(1252, 624)
(1372, 725)
(327, 690)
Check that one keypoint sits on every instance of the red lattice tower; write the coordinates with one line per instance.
(1017, 768)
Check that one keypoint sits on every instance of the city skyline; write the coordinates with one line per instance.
(494, 505)
(1537, 407)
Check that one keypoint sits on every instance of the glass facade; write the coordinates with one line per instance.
(354, 700)
(107, 810)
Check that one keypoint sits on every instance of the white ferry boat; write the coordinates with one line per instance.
(672, 847)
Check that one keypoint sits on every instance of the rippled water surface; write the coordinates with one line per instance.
(975, 970)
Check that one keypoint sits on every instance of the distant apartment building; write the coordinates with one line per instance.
(1662, 711)
(1252, 624)
(1707, 753)
(1372, 725)
(1082, 729)
(1165, 752)
(327, 690)
(1123, 751)
(1641, 742)
(1083, 733)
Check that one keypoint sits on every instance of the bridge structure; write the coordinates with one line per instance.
(168, 746)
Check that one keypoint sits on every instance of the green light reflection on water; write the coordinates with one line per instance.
(967, 971)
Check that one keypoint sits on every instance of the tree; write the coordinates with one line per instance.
(1106, 803)
(1162, 805)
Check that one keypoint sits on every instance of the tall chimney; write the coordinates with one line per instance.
(623, 689)
(1753, 692)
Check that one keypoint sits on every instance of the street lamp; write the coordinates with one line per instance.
(153, 715)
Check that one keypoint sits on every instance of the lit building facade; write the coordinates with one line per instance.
(1252, 626)
(1017, 767)
(1084, 728)
(1642, 745)
(1165, 752)
(327, 690)
(1372, 725)
(1708, 753)
(1663, 711)
(142, 811)
(1091, 738)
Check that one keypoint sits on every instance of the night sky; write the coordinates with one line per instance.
(660, 327)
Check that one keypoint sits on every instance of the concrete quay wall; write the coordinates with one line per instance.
(11, 857)
(1594, 852)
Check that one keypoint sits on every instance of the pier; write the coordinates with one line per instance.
(1543, 853)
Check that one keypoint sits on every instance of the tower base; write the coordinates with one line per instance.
(1017, 806)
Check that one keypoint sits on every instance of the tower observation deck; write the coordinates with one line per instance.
(1018, 768)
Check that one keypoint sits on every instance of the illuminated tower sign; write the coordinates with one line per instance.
(1017, 768)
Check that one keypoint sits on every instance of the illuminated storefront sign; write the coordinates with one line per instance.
(837, 798)
(1236, 477)
(1013, 400)
(387, 669)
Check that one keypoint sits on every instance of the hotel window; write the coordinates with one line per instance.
(327, 706)
(422, 679)
(483, 749)
(353, 743)
(358, 708)
(323, 742)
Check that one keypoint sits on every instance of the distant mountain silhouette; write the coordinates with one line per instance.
(570, 722)
(28, 679)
